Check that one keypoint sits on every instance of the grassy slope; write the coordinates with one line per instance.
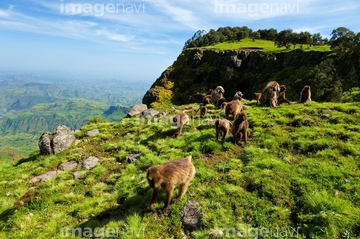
(299, 172)
(263, 45)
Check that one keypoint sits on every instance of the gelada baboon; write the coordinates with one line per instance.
(207, 98)
(234, 107)
(281, 97)
(180, 120)
(305, 94)
(238, 96)
(257, 97)
(222, 127)
(203, 110)
(270, 94)
(240, 128)
(217, 97)
(167, 176)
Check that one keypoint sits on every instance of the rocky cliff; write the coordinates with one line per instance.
(197, 70)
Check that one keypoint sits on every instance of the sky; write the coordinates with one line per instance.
(136, 40)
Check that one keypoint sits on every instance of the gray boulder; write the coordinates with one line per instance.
(150, 113)
(137, 109)
(132, 158)
(68, 165)
(63, 139)
(89, 163)
(45, 143)
(92, 133)
(44, 177)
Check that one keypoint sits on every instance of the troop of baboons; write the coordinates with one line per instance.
(180, 172)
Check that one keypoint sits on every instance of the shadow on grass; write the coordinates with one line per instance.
(31, 158)
(127, 206)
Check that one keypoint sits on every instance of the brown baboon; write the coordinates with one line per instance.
(222, 127)
(220, 104)
(234, 107)
(238, 96)
(281, 98)
(217, 95)
(240, 128)
(203, 110)
(270, 94)
(305, 94)
(257, 97)
(206, 100)
(180, 120)
(210, 92)
(167, 176)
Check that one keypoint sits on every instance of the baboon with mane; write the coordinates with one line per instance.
(270, 94)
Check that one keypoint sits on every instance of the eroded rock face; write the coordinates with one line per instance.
(54, 143)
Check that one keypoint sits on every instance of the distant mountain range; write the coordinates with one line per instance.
(31, 105)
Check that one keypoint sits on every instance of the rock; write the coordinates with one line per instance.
(45, 143)
(62, 142)
(150, 97)
(44, 177)
(191, 217)
(54, 143)
(150, 113)
(77, 175)
(89, 163)
(68, 165)
(326, 116)
(132, 158)
(137, 109)
(92, 133)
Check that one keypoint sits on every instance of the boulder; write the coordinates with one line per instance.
(54, 143)
(150, 113)
(44, 177)
(45, 143)
(137, 109)
(62, 142)
(89, 163)
(132, 158)
(76, 175)
(68, 165)
(92, 133)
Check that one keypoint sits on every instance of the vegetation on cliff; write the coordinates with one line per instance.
(298, 176)
(248, 65)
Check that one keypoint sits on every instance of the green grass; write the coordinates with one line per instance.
(262, 45)
(297, 176)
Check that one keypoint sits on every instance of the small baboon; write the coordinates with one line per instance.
(270, 94)
(257, 97)
(167, 176)
(222, 127)
(234, 107)
(203, 110)
(210, 92)
(206, 100)
(180, 120)
(240, 128)
(305, 94)
(220, 104)
(238, 96)
(218, 95)
(281, 98)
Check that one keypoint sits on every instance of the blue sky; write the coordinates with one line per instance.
(136, 40)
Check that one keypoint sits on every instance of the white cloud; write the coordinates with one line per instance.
(114, 36)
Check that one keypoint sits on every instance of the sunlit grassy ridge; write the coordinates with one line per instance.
(299, 174)
(262, 45)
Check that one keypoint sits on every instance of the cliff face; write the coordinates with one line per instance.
(197, 70)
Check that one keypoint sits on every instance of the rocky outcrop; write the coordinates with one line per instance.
(197, 70)
(54, 143)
